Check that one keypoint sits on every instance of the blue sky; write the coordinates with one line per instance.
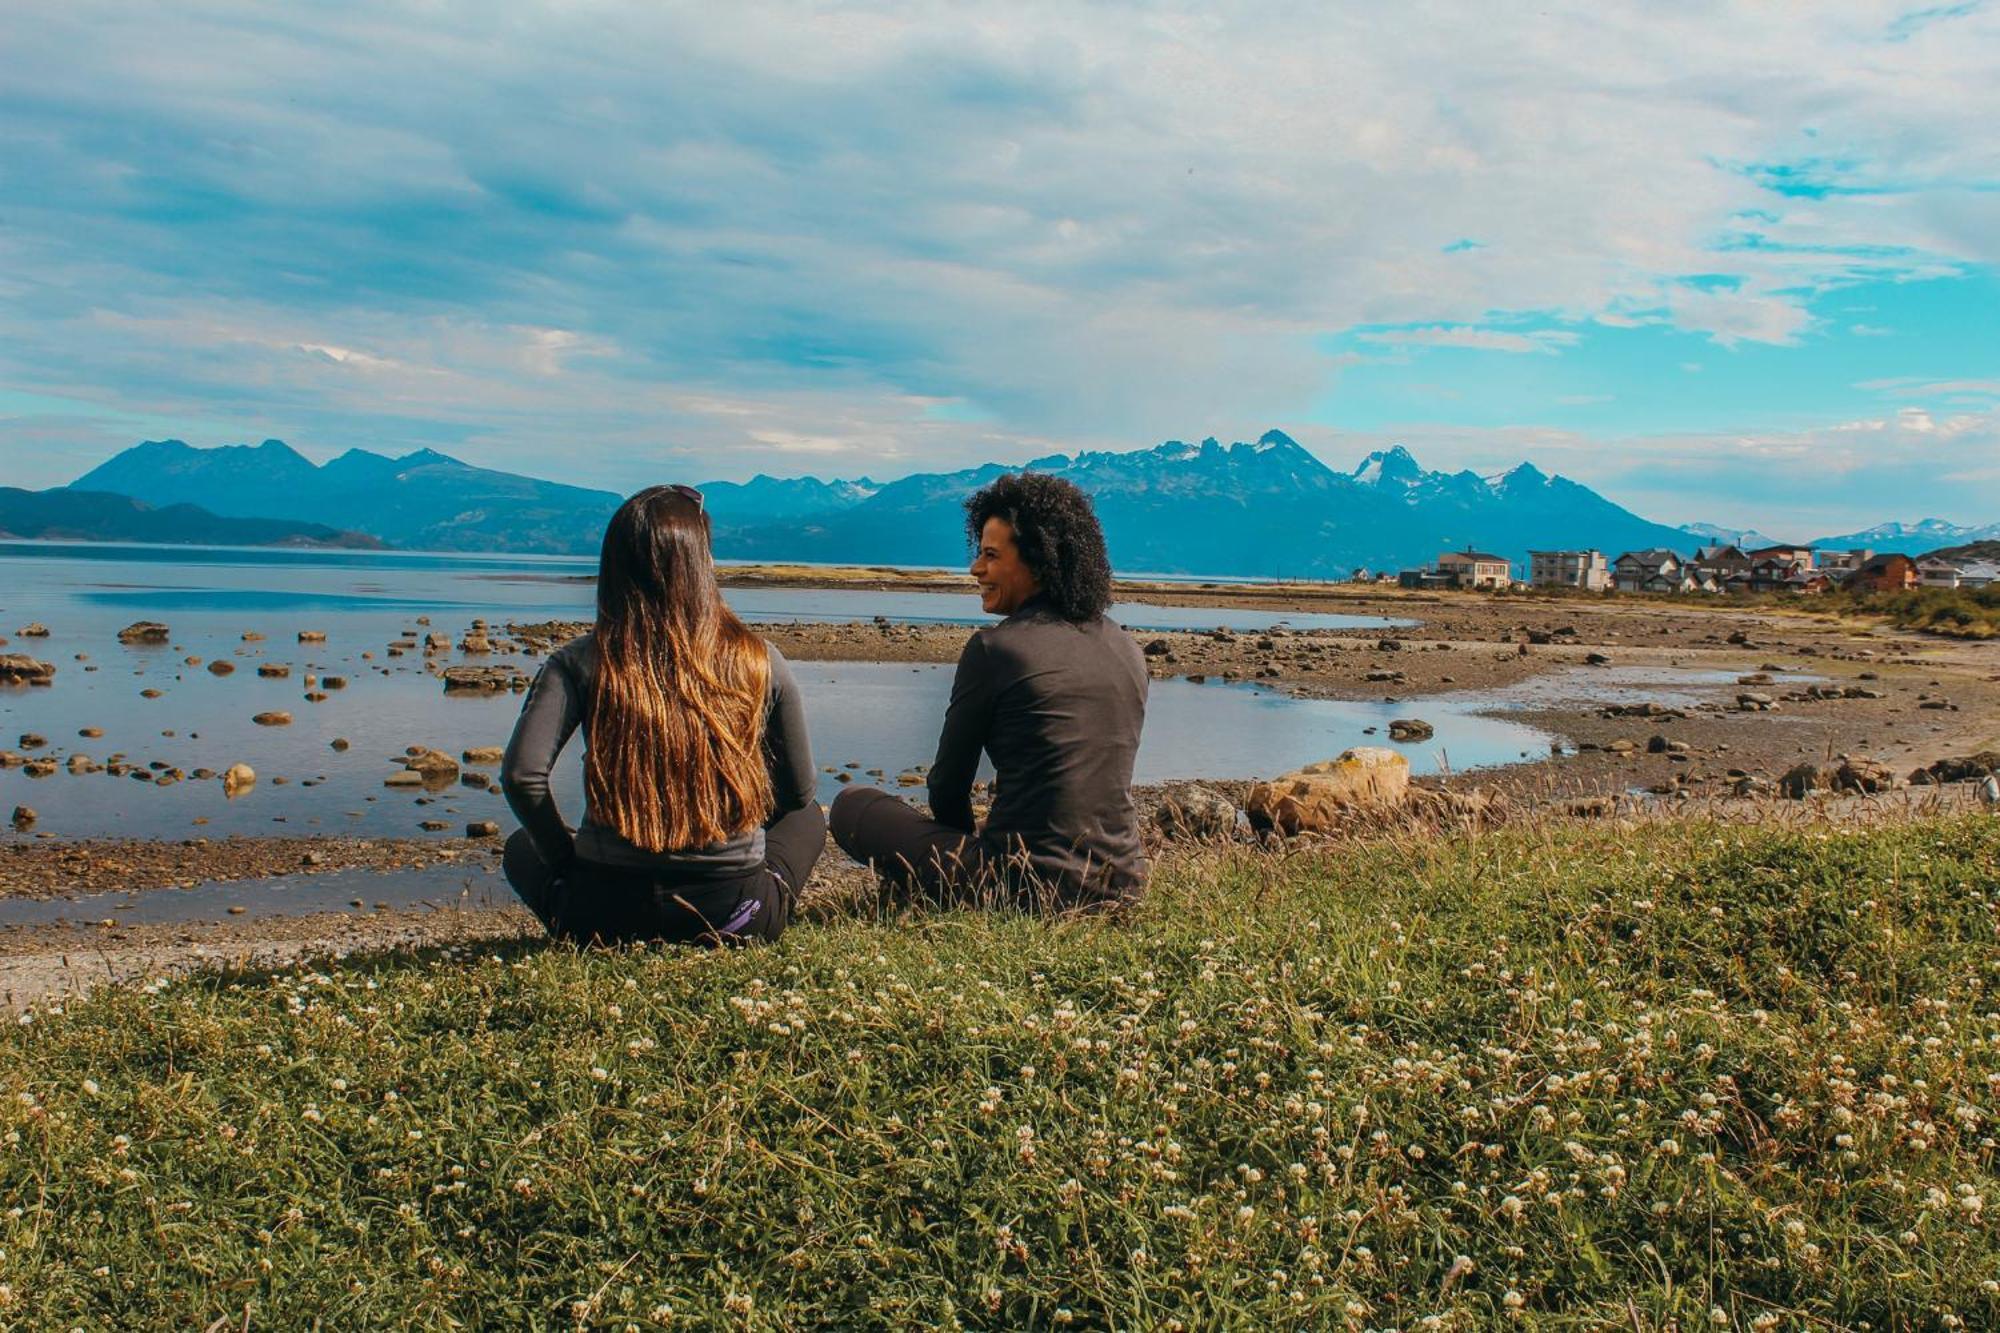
(1734, 263)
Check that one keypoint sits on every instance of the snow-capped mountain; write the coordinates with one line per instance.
(1912, 538)
(1743, 539)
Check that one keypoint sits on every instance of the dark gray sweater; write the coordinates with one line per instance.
(557, 705)
(1058, 706)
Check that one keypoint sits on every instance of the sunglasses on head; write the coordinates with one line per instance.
(686, 493)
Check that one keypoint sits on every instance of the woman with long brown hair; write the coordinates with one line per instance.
(699, 819)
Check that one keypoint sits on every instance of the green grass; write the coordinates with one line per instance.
(1684, 1075)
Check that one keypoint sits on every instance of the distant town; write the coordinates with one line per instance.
(1800, 570)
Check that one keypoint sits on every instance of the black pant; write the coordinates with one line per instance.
(590, 902)
(914, 855)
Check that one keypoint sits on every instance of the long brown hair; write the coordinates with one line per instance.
(676, 755)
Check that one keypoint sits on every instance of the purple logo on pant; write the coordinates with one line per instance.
(743, 916)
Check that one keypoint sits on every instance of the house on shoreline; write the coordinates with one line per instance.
(1587, 570)
(1462, 569)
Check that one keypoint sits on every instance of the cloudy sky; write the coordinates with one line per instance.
(1736, 263)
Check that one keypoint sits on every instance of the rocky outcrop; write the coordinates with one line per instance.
(483, 679)
(1318, 797)
(144, 631)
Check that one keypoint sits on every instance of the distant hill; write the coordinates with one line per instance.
(68, 514)
(1911, 538)
(1268, 508)
(424, 500)
(1980, 550)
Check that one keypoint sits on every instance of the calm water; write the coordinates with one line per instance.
(94, 588)
(864, 716)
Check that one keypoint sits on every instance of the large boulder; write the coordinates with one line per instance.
(1190, 810)
(144, 631)
(1317, 797)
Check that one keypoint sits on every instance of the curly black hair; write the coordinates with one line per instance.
(1057, 533)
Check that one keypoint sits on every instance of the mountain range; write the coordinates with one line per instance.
(1264, 508)
(1913, 538)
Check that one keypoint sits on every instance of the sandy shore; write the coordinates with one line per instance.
(1547, 661)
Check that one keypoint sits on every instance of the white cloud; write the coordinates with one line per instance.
(1916, 461)
(1544, 341)
(628, 230)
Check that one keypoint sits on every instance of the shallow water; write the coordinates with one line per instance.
(866, 716)
(93, 588)
(863, 716)
(473, 885)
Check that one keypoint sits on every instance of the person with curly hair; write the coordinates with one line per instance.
(1055, 694)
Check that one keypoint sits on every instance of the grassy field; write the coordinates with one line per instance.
(1961, 613)
(1684, 1075)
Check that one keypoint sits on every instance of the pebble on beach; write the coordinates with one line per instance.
(144, 631)
(274, 718)
(24, 817)
(273, 670)
(238, 778)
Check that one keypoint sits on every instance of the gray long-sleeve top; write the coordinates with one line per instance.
(1058, 705)
(558, 703)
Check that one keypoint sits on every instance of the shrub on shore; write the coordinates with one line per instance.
(1683, 1074)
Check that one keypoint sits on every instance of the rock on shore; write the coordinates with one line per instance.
(1316, 797)
(19, 668)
